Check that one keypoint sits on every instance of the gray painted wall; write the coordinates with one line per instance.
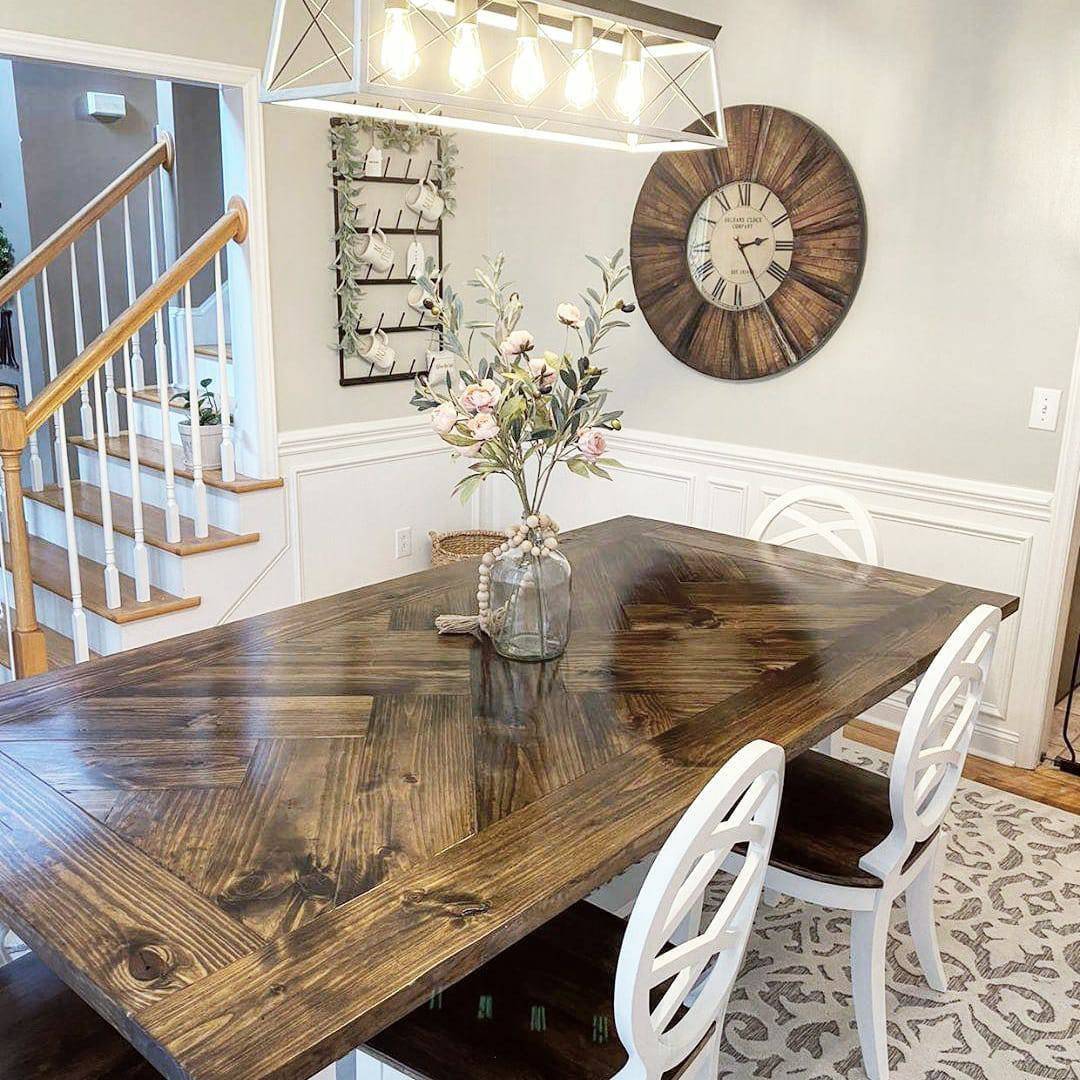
(961, 122)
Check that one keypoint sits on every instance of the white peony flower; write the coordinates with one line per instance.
(541, 370)
(570, 315)
(444, 418)
(592, 444)
(482, 426)
(480, 397)
(516, 343)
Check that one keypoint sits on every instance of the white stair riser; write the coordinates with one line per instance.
(224, 508)
(103, 635)
(166, 569)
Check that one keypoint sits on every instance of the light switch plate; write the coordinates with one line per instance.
(1044, 409)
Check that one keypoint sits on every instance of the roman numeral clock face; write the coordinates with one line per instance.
(739, 246)
(746, 259)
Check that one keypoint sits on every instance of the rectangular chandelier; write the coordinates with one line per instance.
(614, 74)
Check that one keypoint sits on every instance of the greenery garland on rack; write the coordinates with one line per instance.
(349, 143)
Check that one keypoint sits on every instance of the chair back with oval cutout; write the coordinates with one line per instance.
(930, 752)
(738, 806)
(786, 510)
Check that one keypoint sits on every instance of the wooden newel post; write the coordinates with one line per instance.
(28, 639)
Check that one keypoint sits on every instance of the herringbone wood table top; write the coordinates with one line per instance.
(253, 848)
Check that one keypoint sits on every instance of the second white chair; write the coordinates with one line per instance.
(851, 839)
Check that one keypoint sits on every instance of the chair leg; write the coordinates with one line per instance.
(920, 912)
(869, 931)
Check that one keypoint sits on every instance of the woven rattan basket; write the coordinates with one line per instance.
(454, 547)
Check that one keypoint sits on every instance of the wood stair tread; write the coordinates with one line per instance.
(49, 569)
(59, 650)
(152, 456)
(86, 504)
(211, 351)
(149, 394)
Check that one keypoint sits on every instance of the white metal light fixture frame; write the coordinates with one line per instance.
(685, 36)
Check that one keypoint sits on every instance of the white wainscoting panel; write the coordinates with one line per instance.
(351, 488)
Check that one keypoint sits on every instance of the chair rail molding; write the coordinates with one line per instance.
(240, 87)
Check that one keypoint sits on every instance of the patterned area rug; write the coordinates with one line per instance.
(1008, 910)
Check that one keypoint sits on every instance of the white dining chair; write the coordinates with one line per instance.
(793, 512)
(666, 988)
(849, 838)
(797, 516)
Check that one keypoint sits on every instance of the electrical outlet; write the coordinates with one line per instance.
(1044, 408)
(403, 543)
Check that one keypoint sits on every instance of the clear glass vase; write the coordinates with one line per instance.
(529, 609)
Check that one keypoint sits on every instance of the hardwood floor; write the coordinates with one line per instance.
(1044, 784)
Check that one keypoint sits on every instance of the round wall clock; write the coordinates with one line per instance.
(746, 259)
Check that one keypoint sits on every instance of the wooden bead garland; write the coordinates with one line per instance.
(537, 535)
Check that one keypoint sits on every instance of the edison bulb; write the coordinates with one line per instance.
(630, 93)
(398, 53)
(527, 75)
(527, 78)
(466, 59)
(581, 81)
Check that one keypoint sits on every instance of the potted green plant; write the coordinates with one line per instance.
(209, 426)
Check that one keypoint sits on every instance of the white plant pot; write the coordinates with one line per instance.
(209, 442)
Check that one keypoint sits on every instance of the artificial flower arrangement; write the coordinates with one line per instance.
(519, 412)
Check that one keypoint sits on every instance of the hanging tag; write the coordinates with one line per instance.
(415, 258)
(373, 164)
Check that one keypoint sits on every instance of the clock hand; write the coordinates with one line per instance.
(750, 269)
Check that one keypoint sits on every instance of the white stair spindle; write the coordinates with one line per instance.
(50, 353)
(161, 360)
(7, 592)
(202, 526)
(141, 555)
(228, 452)
(112, 404)
(78, 616)
(112, 575)
(136, 347)
(86, 415)
(37, 477)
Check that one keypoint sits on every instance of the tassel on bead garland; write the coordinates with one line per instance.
(538, 535)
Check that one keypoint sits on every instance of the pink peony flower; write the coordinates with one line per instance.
(480, 397)
(541, 370)
(570, 315)
(516, 343)
(592, 444)
(444, 418)
(482, 426)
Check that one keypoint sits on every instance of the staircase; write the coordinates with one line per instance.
(110, 539)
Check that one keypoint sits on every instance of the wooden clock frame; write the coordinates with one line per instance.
(805, 169)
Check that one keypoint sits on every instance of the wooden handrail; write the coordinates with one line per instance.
(161, 153)
(232, 225)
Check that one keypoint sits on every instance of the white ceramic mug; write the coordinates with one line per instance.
(375, 250)
(378, 351)
(425, 200)
(416, 297)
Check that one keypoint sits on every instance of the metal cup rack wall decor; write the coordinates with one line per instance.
(386, 228)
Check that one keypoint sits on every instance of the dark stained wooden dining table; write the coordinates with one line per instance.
(254, 848)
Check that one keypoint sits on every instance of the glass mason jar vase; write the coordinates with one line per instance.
(529, 606)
